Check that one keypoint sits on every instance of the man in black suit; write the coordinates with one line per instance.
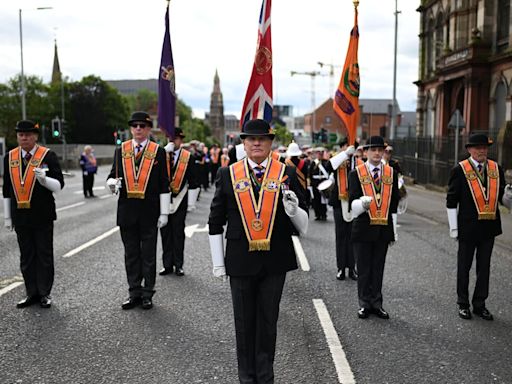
(373, 196)
(183, 181)
(476, 186)
(318, 174)
(32, 175)
(341, 165)
(259, 248)
(139, 173)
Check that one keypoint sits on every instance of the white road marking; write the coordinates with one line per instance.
(92, 242)
(191, 229)
(94, 189)
(70, 206)
(345, 375)
(106, 196)
(299, 251)
(10, 287)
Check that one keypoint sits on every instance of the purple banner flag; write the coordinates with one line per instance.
(166, 85)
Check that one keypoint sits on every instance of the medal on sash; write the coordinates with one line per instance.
(257, 215)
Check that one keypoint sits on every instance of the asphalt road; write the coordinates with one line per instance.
(188, 337)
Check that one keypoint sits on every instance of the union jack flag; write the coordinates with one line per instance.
(258, 98)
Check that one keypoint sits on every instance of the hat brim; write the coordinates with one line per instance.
(293, 153)
(244, 135)
(26, 130)
(469, 145)
(373, 146)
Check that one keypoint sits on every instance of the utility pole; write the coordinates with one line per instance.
(313, 75)
(393, 107)
(331, 75)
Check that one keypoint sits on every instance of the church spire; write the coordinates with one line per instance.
(56, 74)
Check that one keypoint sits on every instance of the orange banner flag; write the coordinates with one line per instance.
(346, 98)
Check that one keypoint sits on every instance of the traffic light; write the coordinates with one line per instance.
(56, 127)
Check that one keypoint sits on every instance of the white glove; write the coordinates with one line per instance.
(217, 251)
(310, 189)
(49, 183)
(169, 147)
(7, 214)
(162, 221)
(366, 201)
(114, 185)
(394, 216)
(452, 222)
(290, 202)
(507, 197)
(350, 150)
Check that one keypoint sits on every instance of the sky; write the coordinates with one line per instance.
(122, 39)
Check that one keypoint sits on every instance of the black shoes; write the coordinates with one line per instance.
(179, 272)
(131, 302)
(341, 274)
(27, 301)
(381, 313)
(363, 313)
(45, 302)
(352, 274)
(483, 313)
(147, 303)
(165, 271)
(464, 313)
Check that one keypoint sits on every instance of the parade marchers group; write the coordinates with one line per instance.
(262, 198)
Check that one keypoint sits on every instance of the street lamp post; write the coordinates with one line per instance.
(393, 107)
(23, 87)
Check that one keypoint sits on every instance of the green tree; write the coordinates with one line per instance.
(96, 111)
(283, 136)
(144, 100)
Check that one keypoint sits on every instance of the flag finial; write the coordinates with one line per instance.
(356, 3)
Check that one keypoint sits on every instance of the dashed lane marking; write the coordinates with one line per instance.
(299, 251)
(106, 196)
(70, 206)
(10, 287)
(345, 375)
(91, 242)
(94, 189)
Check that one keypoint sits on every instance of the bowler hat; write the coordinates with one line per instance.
(375, 142)
(257, 127)
(478, 139)
(27, 126)
(343, 141)
(178, 132)
(141, 116)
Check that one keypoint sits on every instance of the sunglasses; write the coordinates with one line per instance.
(138, 125)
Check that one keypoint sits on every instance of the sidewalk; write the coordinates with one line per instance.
(432, 205)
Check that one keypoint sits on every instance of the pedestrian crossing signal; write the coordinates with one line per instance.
(117, 138)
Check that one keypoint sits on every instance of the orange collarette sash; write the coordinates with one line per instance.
(179, 173)
(137, 179)
(486, 201)
(300, 174)
(23, 183)
(343, 181)
(257, 216)
(224, 160)
(379, 207)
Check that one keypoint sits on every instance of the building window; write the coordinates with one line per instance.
(430, 47)
(503, 24)
(327, 120)
(429, 119)
(439, 37)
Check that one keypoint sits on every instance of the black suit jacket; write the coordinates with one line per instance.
(362, 231)
(42, 204)
(459, 194)
(147, 210)
(239, 261)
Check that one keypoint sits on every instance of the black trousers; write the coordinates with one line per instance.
(36, 261)
(173, 237)
(344, 249)
(319, 208)
(88, 182)
(140, 258)
(465, 256)
(256, 302)
(213, 172)
(370, 258)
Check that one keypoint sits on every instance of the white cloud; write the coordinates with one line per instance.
(122, 40)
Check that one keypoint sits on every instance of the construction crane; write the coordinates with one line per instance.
(313, 75)
(331, 75)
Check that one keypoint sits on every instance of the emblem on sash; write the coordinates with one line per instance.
(257, 224)
(387, 179)
(492, 173)
(15, 163)
(271, 185)
(471, 175)
(127, 154)
(149, 155)
(242, 185)
(365, 180)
